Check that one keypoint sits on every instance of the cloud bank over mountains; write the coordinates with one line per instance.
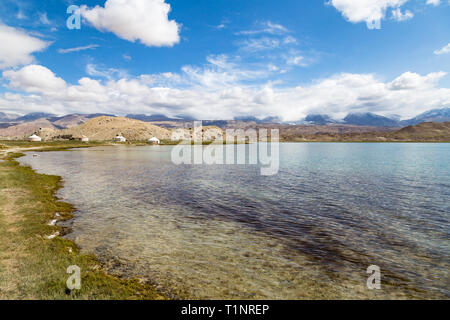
(216, 91)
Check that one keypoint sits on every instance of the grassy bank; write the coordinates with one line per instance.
(33, 266)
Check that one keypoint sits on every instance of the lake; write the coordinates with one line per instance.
(227, 232)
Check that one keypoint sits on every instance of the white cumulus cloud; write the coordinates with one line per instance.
(17, 47)
(444, 50)
(34, 78)
(369, 11)
(133, 20)
(410, 80)
(434, 2)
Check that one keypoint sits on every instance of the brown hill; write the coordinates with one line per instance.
(293, 132)
(24, 130)
(106, 128)
(424, 131)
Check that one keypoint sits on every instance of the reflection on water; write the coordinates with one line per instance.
(225, 231)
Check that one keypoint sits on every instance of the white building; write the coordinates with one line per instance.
(84, 139)
(119, 138)
(154, 140)
(34, 138)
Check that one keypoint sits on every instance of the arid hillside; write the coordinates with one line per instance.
(106, 128)
(24, 130)
(423, 132)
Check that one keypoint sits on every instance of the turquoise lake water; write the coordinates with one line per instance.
(226, 231)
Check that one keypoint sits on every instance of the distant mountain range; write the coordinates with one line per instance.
(436, 115)
(357, 119)
(151, 118)
(104, 128)
(371, 119)
(6, 117)
(254, 119)
(319, 119)
(363, 119)
(34, 116)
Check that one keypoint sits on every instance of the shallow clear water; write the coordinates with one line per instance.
(225, 231)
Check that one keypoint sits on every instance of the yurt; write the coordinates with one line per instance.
(119, 138)
(34, 138)
(154, 140)
(84, 139)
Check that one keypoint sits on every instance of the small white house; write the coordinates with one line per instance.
(34, 138)
(154, 140)
(120, 138)
(84, 139)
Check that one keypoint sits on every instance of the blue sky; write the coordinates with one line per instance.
(226, 58)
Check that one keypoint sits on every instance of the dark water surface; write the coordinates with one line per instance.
(225, 231)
